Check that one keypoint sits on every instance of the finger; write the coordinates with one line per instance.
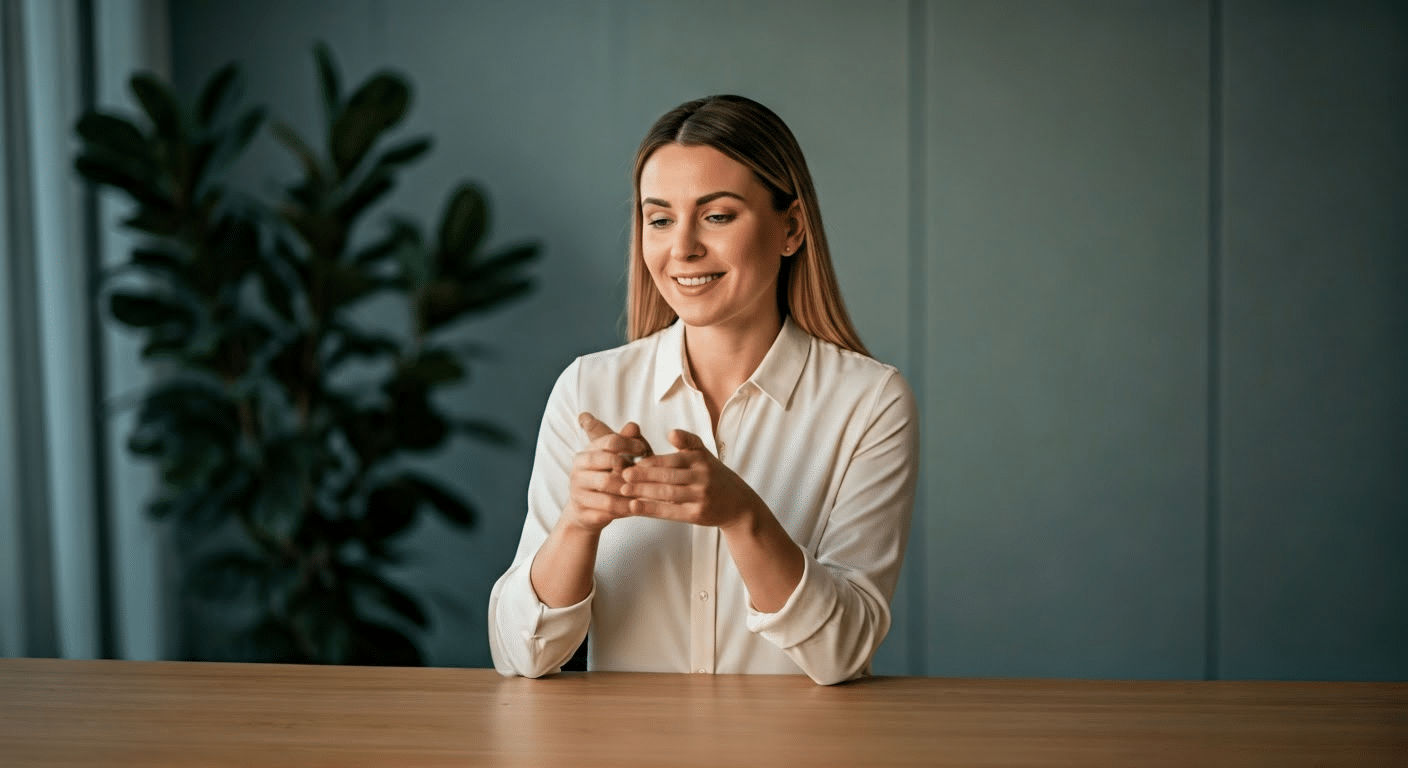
(654, 474)
(632, 430)
(672, 494)
(593, 426)
(686, 441)
(676, 460)
(599, 461)
(613, 505)
(604, 482)
(662, 510)
(615, 443)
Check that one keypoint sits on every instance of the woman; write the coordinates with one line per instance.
(731, 491)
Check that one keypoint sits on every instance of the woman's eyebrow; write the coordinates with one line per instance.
(699, 201)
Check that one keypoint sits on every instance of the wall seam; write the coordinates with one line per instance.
(917, 602)
(1213, 542)
(106, 588)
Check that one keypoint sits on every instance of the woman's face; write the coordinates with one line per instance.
(711, 239)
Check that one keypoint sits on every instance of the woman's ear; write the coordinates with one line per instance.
(796, 228)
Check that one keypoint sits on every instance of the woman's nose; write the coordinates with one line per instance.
(686, 244)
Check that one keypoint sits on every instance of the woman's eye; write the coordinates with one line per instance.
(719, 218)
(657, 223)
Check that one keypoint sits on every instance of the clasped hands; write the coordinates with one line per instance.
(690, 485)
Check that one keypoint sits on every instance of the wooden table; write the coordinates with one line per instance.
(117, 713)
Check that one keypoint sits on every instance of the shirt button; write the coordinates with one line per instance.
(703, 596)
(702, 672)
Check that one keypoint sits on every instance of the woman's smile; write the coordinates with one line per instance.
(694, 282)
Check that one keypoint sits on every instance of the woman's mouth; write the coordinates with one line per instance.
(697, 281)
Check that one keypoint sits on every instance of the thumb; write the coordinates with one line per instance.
(632, 430)
(592, 425)
(686, 441)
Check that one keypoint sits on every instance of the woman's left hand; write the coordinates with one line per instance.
(690, 486)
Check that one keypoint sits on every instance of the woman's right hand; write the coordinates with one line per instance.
(596, 474)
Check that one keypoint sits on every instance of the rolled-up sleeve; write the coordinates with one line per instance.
(527, 637)
(836, 618)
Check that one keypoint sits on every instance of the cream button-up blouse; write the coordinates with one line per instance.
(827, 438)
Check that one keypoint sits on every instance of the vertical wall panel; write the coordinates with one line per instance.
(1315, 456)
(518, 96)
(1066, 368)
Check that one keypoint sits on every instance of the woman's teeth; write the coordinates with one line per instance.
(693, 281)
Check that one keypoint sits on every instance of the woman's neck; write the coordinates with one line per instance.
(721, 359)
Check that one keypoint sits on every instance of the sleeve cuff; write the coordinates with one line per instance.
(806, 611)
(543, 632)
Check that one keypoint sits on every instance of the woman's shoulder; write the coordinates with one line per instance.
(848, 363)
(840, 376)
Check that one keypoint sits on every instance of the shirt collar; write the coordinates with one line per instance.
(776, 376)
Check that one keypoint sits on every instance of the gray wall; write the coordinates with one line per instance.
(1144, 264)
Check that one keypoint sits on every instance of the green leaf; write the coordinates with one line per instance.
(450, 506)
(415, 425)
(399, 233)
(368, 191)
(462, 227)
(204, 506)
(245, 129)
(511, 258)
(273, 642)
(380, 103)
(278, 504)
(344, 284)
(485, 287)
(300, 149)
(487, 431)
(415, 263)
(404, 152)
(160, 105)
(328, 85)
(143, 311)
(116, 136)
(103, 170)
(351, 342)
(158, 261)
(485, 296)
(166, 341)
(368, 431)
(433, 367)
(390, 596)
(161, 222)
(391, 509)
(280, 280)
(220, 95)
(218, 158)
(225, 576)
(322, 618)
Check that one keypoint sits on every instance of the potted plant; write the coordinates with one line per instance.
(280, 421)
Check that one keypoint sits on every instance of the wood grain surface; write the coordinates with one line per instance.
(118, 713)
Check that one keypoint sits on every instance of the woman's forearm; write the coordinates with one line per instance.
(562, 571)
(769, 561)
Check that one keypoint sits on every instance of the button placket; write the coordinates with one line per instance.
(704, 579)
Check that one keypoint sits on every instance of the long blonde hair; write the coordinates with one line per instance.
(753, 135)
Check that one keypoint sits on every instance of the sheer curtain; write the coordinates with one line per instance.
(80, 573)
